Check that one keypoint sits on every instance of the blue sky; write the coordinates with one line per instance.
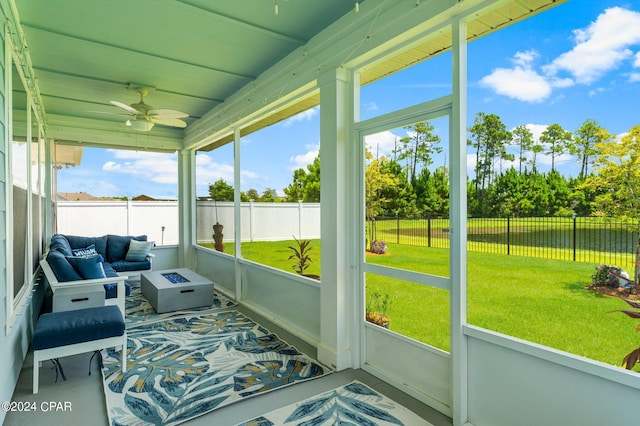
(577, 61)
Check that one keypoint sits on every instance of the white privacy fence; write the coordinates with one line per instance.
(159, 220)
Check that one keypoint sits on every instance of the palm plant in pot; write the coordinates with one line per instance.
(302, 258)
(376, 309)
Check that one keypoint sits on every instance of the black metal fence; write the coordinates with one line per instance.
(585, 239)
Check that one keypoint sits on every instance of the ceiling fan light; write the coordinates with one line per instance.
(141, 125)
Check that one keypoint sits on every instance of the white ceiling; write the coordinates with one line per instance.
(196, 54)
(193, 53)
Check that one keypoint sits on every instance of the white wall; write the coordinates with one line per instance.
(260, 221)
(291, 301)
(98, 218)
(513, 382)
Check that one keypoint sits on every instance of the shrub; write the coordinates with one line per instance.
(378, 247)
(602, 276)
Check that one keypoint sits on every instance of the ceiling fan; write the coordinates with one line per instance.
(144, 116)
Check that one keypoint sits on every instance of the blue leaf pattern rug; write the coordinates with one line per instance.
(183, 367)
(139, 310)
(352, 404)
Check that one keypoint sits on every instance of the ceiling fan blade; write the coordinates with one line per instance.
(173, 122)
(167, 113)
(126, 107)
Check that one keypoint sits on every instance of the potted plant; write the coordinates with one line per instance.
(302, 258)
(376, 310)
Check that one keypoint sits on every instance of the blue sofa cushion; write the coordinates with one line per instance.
(61, 267)
(109, 271)
(124, 266)
(111, 290)
(118, 246)
(89, 267)
(77, 242)
(61, 244)
(81, 325)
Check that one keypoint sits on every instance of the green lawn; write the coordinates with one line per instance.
(540, 300)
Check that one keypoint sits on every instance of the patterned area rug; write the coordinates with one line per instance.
(181, 368)
(352, 404)
(139, 310)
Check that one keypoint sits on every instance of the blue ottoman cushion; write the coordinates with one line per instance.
(81, 325)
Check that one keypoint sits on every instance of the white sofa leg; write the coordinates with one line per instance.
(36, 371)
(124, 352)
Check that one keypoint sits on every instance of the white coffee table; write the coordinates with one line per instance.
(176, 289)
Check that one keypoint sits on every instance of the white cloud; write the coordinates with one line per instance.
(521, 82)
(600, 47)
(595, 91)
(371, 106)
(518, 83)
(381, 143)
(111, 166)
(306, 115)
(524, 59)
(302, 160)
(536, 130)
(634, 77)
(209, 171)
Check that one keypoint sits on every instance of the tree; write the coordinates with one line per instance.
(522, 137)
(377, 179)
(536, 149)
(558, 141)
(252, 194)
(490, 136)
(269, 195)
(584, 144)
(221, 191)
(418, 147)
(306, 184)
(617, 180)
(432, 191)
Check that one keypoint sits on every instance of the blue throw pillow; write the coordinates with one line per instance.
(87, 251)
(89, 267)
(117, 246)
(138, 251)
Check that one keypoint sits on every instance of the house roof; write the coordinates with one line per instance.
(76, 196)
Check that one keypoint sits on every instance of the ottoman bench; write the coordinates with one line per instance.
(65, 333)
(176, 289)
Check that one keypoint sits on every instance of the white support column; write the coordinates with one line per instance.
(337, 305)
(186, 207)
(300, 224)
(237, 214)
(50, 180)
(458, 202)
